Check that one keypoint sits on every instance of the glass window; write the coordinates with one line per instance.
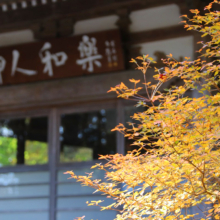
(23, 194)
(84, 136)
(23, 141)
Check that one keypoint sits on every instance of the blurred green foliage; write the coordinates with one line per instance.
(35, 152)
(76, 154)
(8, 146)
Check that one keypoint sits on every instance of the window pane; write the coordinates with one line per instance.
(86, 135)
(24, 194)
(25, 216)
(89, 213)
(23, 141)
(69, 187)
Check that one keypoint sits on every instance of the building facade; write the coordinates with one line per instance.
(55, 112)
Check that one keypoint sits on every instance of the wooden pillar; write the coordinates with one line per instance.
(120, 119)
(19, 128)
(54, 145)
(20, 149)
(123, 23)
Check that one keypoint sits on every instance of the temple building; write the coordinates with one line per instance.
(58, 59)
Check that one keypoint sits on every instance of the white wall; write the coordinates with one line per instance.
(16, 37)
(95, 24)
(146, 19)
(153, 18)
(182, 46)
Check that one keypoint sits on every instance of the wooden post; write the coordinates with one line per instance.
(53, 131)
(120, 119)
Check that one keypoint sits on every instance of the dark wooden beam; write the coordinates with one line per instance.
(25, 17)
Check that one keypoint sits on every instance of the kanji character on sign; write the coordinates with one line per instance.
(110, 52)
(2, 67)
(15, 58)
(88, 54)
(47, 58)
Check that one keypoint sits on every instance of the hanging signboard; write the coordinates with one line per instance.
(60, 58)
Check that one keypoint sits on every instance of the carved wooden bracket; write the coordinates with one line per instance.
(194, 4)
(53, 28)
(123, 23)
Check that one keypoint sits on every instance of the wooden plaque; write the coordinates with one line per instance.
(60, 58)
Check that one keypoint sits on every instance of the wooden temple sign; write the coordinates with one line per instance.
(61, 58)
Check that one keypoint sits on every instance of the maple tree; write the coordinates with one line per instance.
(181, 164)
